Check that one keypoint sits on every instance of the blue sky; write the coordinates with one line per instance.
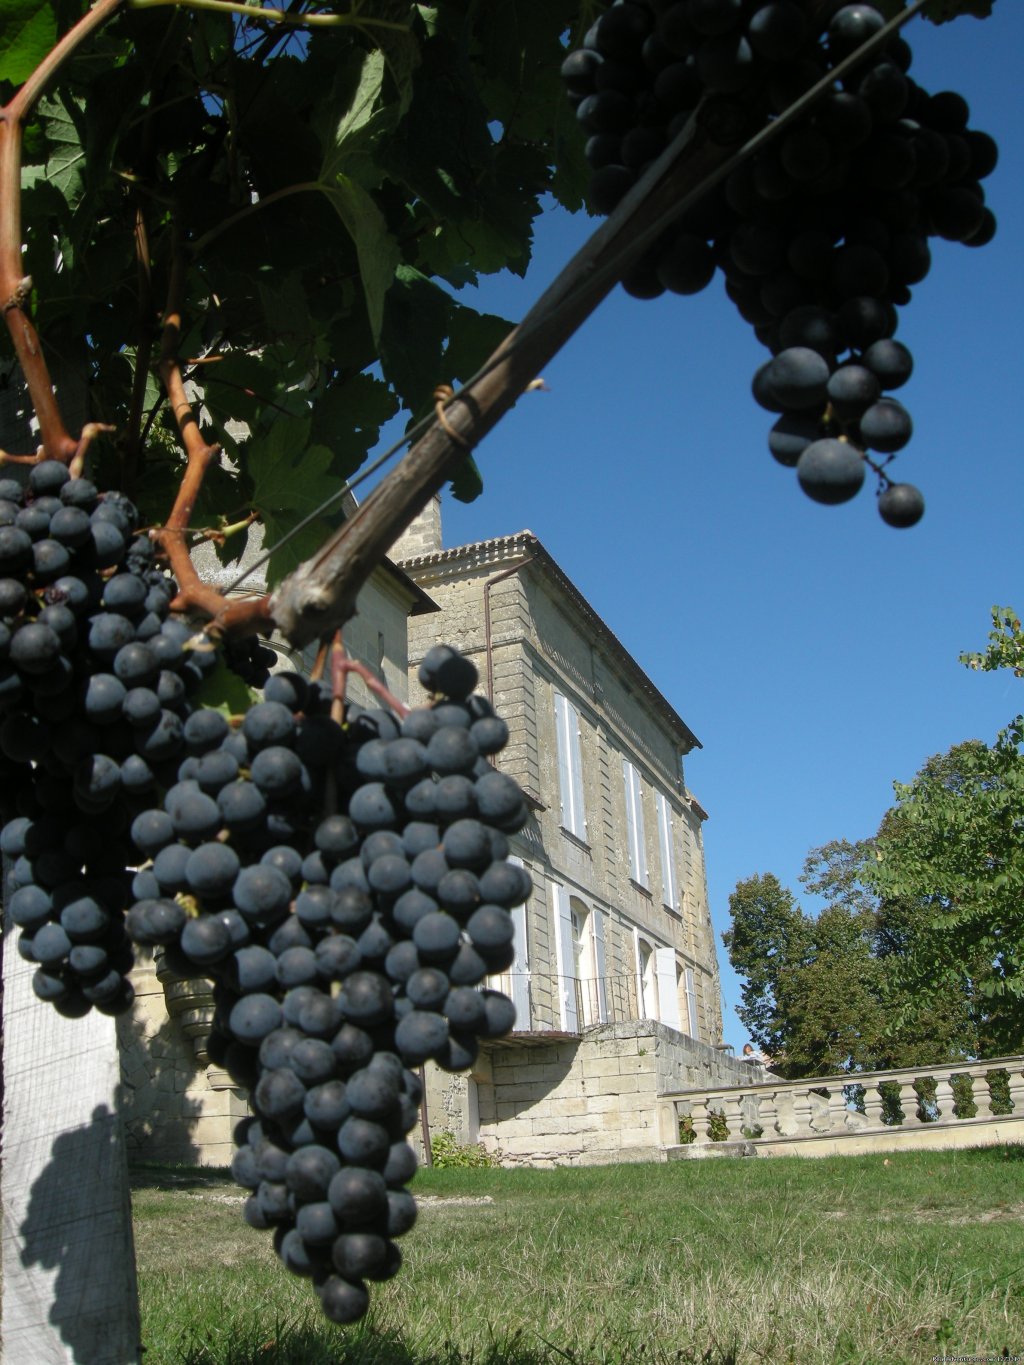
(813, 650)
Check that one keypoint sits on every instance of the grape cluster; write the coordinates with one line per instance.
(346, 947)
(95, 687)
(819, 236)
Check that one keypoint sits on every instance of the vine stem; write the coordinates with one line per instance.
(193, 593)
(15, 286)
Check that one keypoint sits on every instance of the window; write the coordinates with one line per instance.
(570, 769)
(646, 980)
(635, 824)
(581, 962)
(657, 983)
(515, 983)
(565, 950)
(669, 891)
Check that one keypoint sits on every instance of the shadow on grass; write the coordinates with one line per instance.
(145, 1176)
(308, 1346)
(994, 1155)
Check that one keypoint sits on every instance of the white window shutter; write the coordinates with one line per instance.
(691, 1003)
(670, 894)
(520, 985)
(562, 746)
(570, 767)
(635, 823)
(600, 967)
(579, 822)
(668, 987)
(639, 966)
(566, 960)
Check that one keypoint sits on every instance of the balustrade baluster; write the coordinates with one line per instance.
(836, 1109)
(909, 1100)
(803, 1111)
(1017, 1091)
(732, 1106)
(785, 1113)
(944, 1098)
(766, 1113)
(873, 1105)
(982, 1094)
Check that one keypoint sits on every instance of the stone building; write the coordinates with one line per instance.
(615, 980)
(616, 937)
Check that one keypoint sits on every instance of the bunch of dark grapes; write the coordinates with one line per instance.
(821, 235)
(346, 947)
(95, 681)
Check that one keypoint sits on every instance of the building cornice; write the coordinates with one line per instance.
(461, 560)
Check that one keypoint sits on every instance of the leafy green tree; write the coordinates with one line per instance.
(821, 993)
(918, 956)
(953, 849)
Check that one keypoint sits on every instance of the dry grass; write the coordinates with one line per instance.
(783, 1260)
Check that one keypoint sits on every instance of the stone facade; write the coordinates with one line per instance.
(617, 933)
(616, 979)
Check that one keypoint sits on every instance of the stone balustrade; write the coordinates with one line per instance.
(952, 1105)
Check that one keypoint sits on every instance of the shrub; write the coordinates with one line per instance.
(448, 1153)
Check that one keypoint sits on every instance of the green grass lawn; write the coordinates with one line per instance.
(845, 1259)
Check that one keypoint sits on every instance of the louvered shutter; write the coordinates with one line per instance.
(641, 1012)
(570, 767)
(600, 968)
(668, 862)
(635, 823)
(668, 987)
(691, 1002)
(566, 960)
(520, 972)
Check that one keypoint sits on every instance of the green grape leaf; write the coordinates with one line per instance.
(347, 420)
(362, 121)
(224, 691)
(377, 250)
(290, 480)
(416, 319)
(28, 29)
(65, 156)
(467, 482)
(472, 336)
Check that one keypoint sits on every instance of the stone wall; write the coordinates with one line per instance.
(576, 1102)
(177, 1107)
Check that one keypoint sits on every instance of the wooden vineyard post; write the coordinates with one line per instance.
(69, 1292)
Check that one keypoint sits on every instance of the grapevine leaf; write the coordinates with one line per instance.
(940, 11)
(224, 691)
(362, 122)
(28, 29)
(377, 249)
(347, 419)
(467, 481)
(472, 336)
(416, 321)
(65, 156)
(290, 480)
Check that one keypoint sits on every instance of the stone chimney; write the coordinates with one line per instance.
(422, 537)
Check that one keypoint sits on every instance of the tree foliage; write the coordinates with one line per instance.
(311, 200)
(918, 956)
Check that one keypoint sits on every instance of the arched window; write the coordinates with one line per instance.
(647, 980)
